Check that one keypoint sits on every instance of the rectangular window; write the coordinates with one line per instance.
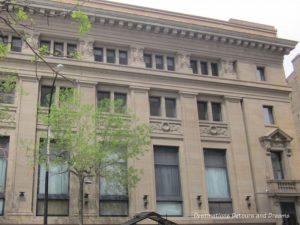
(214, 69)
(170, 63)
(170, 107)
(45, 95)
(16, 44)
(98, 54)
(159, 62)
(71, 50)
(113, 194)
(194, 66)
(46, 45)
(216, 111)
(155, 106)
(123, 58)
(202, 110)
(58, 49)
(288, 208)
(111, 56)
(7, 92)
(121, 99)
(58, 191)
(260, 72)
(277, 165)
(103, 99)
(204, 68)
(268, 114)
(217, 181)
(4, 146)
(167, 181)
(4, 39)
(148, 60)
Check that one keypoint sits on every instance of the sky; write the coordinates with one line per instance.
(284, 15)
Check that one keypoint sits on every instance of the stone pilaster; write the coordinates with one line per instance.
(183, 63)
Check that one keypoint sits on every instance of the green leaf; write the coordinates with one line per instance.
(21, 15)
(4, 50)
(83, 20)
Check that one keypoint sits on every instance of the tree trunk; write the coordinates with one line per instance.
(80, 200)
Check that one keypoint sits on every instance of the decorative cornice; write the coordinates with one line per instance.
(171, 28)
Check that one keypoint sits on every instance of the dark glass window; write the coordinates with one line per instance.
(98, 54)
(155, 106)
(214, 69)
(58, 186)
(101, 96)
(111, 56)
(58, 49)
(194, 66)
(217, 181)
(123, 59)
(16, 44)
(260, 72)
(148, 60)
(268, 114)
(204, 68)
(170, 107)
(277, 165)
(171, 63)
(288, 208)
(7, 92)
(71, 49)
(46, 45)
(202, 110)
(167, 181)
(4, 146)
(121, 99)
(4, 39)
(216, 111)
(159, 61)
(45, 95)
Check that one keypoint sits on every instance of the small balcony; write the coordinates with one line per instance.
(283, 187)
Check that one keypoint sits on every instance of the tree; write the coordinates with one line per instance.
(95, 141)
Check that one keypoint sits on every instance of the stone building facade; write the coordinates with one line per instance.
(214, 93)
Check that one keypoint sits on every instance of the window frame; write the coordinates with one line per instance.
(261, 73)
(123, 61)
(269, 115)
(282, 170)
(163, 106)
(11, 95)
(210, 101)
(112, 91)
(2, 194)
(205, 67)
(16, 48)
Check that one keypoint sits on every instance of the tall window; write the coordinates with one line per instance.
(111, 56)
(155, 106)
(4, 39)
(71, 49)
(148, 60)
(260, 72)
(7, 92)
(194, 66)
(121, 98)
(170, 63)
(123, 58)
(216, 111)
(167, 181)
(4, 146)
(113, 194)
(204, 68)
(45, 44)
(170, 107)
(202, 110)
(16, 44)
(58, 192)
(214, 69)
(288, 208)
(268, 114)
(217, 181)
(98, 54)
(58, 49)
(159, 61)
(277, 165)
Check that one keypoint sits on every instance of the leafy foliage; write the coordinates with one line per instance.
(21, 15)
(4, 49)
(83, 20)
(75, 55)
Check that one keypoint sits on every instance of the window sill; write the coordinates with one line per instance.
(165, 118)
(271, 125)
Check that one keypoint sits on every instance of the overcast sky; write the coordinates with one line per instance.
(284, 15)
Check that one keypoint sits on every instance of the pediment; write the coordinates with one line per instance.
(276, 140)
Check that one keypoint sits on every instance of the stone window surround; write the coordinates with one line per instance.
(164, 55)
(209, 100)
(60, 40)
(117, 49)
(163, 95)
(209, 62)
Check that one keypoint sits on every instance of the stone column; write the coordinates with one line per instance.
(140, 107)
(26, 138)
(86, 47)
(240, 158)
(193, 153)
(183, 63)
(136, 56)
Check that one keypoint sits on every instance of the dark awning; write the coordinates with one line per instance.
(148, 215)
